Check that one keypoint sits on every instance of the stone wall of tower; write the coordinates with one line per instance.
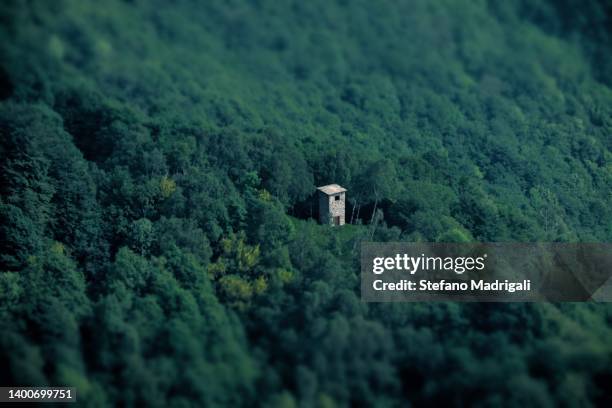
(323, 208)
(329, 208)
(337, 208)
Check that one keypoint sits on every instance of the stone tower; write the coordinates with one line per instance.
(332, 202)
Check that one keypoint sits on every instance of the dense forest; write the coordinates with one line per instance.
(158, 159)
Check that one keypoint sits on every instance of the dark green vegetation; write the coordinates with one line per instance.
(156, 160)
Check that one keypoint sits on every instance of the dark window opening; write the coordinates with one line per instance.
(337, 198)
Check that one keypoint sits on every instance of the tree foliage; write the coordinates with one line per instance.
(157, 161)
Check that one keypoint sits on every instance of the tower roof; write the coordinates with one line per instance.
(331, 189)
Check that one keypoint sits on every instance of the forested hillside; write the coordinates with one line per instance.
(157, 164)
